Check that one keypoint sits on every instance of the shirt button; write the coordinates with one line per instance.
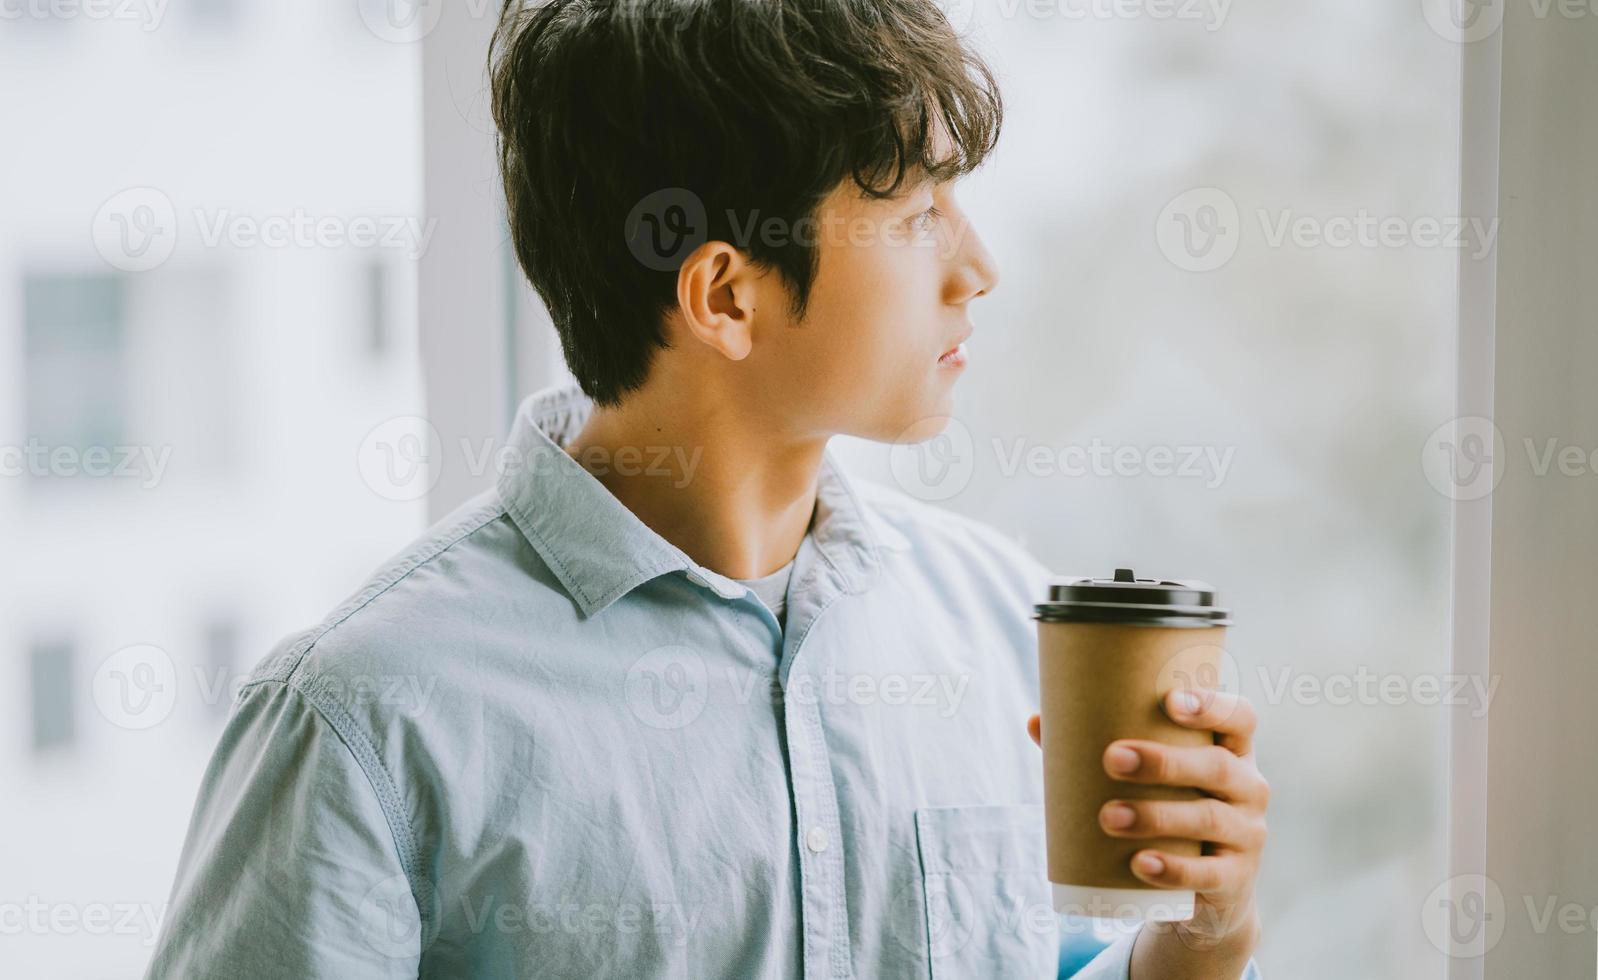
(816, 840)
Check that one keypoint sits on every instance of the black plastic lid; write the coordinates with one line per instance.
(1132, 601)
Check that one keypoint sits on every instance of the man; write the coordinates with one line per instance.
(676, 698)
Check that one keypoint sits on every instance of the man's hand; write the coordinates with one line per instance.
(1229, 820)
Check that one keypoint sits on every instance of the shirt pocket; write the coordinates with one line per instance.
(986, 892)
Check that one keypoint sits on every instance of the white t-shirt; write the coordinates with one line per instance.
(773, 590)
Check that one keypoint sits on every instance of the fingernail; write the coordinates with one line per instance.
(1118, 816)
(1123, 759)
(1150, 864)
(1187, 702)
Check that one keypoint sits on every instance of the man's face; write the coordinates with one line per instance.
(875, 354)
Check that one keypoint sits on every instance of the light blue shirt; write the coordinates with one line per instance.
(544, 742)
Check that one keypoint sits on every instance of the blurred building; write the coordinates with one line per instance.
(206, 304)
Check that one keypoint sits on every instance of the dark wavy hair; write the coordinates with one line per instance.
(726, 110)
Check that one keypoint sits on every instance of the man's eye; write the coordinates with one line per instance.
(926, 218)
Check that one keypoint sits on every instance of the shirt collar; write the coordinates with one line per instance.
(600, 550)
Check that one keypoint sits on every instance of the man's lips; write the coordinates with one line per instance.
(955, 355)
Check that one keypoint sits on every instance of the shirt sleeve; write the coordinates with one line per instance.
(1114, 962)
(289, 869)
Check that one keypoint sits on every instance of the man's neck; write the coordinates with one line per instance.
(738, 497)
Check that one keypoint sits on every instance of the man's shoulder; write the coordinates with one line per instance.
(413, 601)
(922, 525)
(932, 535)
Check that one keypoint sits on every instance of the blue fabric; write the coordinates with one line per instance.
(543, 742)
(1077, 950)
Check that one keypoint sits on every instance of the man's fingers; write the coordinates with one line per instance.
(1210, 873)
(1209, 768)
(1209, 820)
(1231, 716)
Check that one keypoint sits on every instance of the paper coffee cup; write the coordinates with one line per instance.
(1109, 652)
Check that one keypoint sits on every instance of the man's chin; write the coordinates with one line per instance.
(928, 424)
(922, 429)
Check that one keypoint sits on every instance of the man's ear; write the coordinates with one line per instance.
(716, 295)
